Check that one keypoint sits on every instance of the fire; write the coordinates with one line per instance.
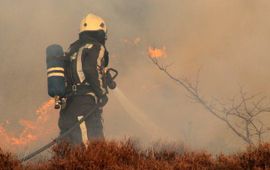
(157, 52)
(133, 42)
(32, 131)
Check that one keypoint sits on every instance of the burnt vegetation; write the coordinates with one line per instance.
(127, 155)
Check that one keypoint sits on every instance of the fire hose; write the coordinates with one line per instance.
(59, 138)
(111, 84)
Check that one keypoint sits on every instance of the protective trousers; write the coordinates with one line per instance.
(76, 108)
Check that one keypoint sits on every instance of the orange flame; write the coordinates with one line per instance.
(134, 42)
(33, 131)
(157, 52)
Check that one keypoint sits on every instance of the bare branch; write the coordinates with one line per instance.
(244, 108)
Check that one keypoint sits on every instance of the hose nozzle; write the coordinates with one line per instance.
(110, 78)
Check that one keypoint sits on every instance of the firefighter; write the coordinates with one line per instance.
(85, 80)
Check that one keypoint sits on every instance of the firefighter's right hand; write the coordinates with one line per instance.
(103, 100)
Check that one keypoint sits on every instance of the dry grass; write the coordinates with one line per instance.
(8, 161)
(125, 155)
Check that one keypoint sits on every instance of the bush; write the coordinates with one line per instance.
(124, 155)
(8, 162)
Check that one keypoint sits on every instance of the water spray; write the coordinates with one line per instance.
(138, 115)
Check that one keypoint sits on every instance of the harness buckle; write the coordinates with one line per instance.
(74, 88)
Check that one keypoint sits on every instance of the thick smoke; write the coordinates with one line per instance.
(227, 40)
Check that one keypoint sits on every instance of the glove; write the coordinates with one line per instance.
(102, 101)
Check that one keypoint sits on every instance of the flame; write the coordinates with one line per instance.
(32, 131)
(157, 52)
(137, 40)
(133, 42)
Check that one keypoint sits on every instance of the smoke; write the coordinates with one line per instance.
(226, 39)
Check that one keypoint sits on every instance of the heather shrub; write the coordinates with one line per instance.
(113, 155)
(8, 161)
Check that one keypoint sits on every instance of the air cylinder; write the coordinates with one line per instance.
(55, 70)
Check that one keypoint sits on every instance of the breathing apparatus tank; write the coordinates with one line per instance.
(56, 73)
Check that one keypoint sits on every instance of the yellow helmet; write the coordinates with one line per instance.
(93, 23)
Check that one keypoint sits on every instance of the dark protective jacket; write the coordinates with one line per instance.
(85, 69)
